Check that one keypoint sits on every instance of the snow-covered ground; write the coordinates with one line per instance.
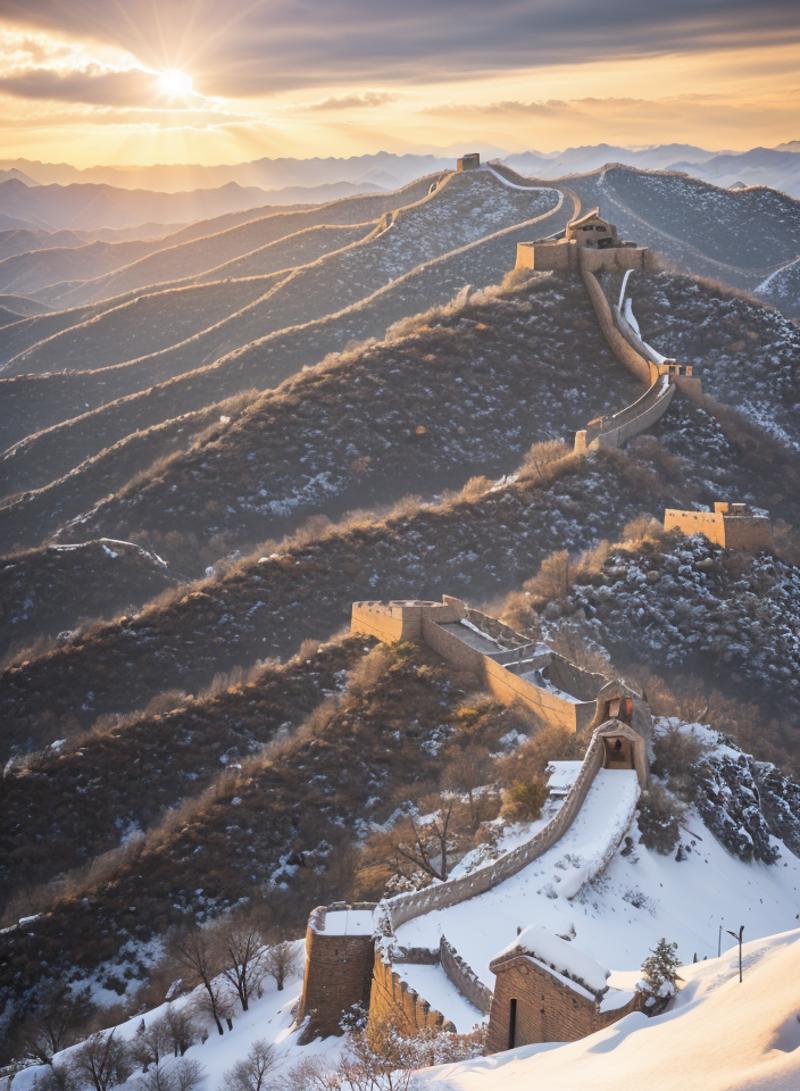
(541, 892)
(442, 995)
(718, 1036)
(640, 896)
(269, 1019)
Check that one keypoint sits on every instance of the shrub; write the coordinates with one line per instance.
(676, 752)
(660, 816)
(524, 799)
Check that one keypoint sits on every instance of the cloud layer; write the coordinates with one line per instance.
(274, 45)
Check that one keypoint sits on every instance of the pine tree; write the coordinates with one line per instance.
(660, 976)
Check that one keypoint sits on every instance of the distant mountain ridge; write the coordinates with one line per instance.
(91, 205)
(386, 169)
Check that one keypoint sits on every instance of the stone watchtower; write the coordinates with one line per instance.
(340, 952)
(470, 161)
(730, 525)
(590, 242)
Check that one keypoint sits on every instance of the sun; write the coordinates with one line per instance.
(175, 84)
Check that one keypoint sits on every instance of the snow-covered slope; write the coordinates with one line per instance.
(640, 897)
(719, 1036)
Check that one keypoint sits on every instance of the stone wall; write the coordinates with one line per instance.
(338, 975)
(641, 415)
(639, 366)
(746, 531)
(392, 1000)
(405, 907)
(548, 1008)
(500, 671)
(464, 977)
(510, 688)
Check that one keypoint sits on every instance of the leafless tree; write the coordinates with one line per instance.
(425, 846)
(469, 770)
(281, 961)
(152, 1042)
(244, 950)
(56, 1078)
(198, 954)
(252, 1073)
(54, 1024)
(102, 1061)
(181, 1028)
(217, 1002)
(181, 1075)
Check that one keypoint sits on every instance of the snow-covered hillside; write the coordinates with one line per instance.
(718, 1036)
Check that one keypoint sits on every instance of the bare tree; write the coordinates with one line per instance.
(152, 1042)
(280, 962)
(198, 954)
(467, 771)
(252, 1073)
(54, 1025)
(217, 1002)
(102, 1061)
(245, 956)
(181, 1075)
(56, 1078)
(181, 1028)
(424, 845)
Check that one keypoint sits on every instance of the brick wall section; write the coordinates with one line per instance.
(548, 1009)
(338, 975)
(393, 1001)
(405, 907)
(509, 688)
(422, 622)
(750, 532)
(464, 977)
(639, 366)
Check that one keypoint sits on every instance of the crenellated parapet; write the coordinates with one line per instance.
(730, 525)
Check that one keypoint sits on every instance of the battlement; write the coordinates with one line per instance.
(513, 669)
(732, 525)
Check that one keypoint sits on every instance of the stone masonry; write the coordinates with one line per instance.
(539, 1002)
(731, 525)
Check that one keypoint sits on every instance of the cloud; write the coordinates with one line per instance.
(92, 85)
(354, 102)
(507, 108)
(273, 45)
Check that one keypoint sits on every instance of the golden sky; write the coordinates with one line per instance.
(202, 81)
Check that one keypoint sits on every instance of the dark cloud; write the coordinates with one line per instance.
(268, 45)
(93, 85)
(353, 102)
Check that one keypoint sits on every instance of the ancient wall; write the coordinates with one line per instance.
(627, 355)
(548, 1009)
(393, 1000)
(404, 907)
(338, 975)
(464, 977)
(750, 532)
(510, 688)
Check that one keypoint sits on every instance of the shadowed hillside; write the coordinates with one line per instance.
(198, 255)
(179, 746)
(738, 236)
(45, 591)
(329, 439)
(265, 361)
(285, 821)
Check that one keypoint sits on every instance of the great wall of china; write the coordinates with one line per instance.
(356, 955)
